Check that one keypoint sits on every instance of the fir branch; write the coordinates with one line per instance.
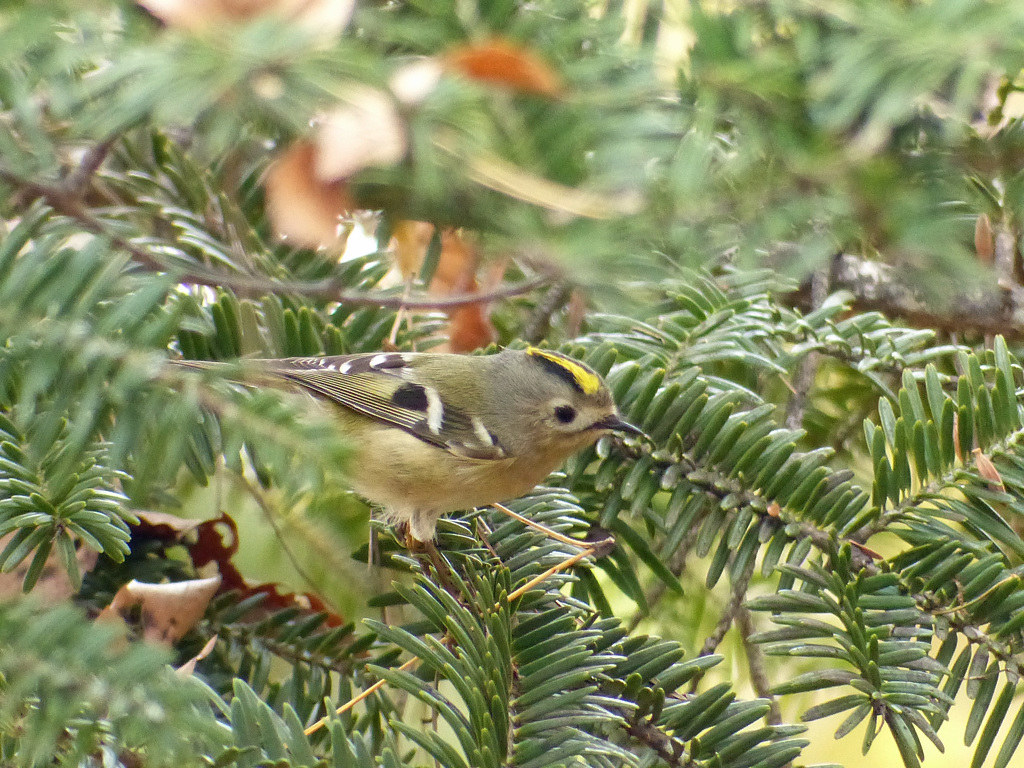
(254, 286)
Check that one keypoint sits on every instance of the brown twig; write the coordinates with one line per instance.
(76, 183)
(755, 663)
(807, 367)
(540, 321)
(670, 750)
(737, 596)
(879, 287)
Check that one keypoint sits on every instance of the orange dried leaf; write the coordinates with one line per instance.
(303, 209)
(470, 328)
(502, 63)
(365, 131)
(168, 611)
(456, 269)
(576, 312)
(988, 471)
(469, 325)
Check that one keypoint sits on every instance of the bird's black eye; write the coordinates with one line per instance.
(565, 413)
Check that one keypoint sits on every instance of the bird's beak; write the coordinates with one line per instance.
(616, 424)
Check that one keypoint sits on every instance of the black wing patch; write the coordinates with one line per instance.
(411, 396)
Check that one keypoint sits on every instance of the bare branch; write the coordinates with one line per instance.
(755, 663)
(737, 597)
(877, 286)
(807, 367)
(540, 322)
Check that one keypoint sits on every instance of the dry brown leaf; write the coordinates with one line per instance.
(456, 269)
(984, 240)
(412, 83)
(168, 611)
(505, 64)
(53, 585)
(988, 471)
(469, 325)
(304, 210)
(364, 131)
(576, 312)
(409, 242)
(323, 18)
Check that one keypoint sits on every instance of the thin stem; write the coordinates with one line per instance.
(756, 664)
(549, 532)
(567, 563)
(76, 183)
(540, 321)
(736, 599)
(268, 513)
(355, 700)
(807, 367)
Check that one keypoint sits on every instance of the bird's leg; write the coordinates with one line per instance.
(436, 559)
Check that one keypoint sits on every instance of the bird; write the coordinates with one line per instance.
(434, 433)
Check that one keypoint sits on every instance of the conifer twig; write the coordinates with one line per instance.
(256, 285)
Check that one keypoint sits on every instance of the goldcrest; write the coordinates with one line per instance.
(434, 433)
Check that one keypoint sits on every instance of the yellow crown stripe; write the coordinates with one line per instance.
(587, 380)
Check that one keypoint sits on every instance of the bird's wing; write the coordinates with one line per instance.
(382, 386)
